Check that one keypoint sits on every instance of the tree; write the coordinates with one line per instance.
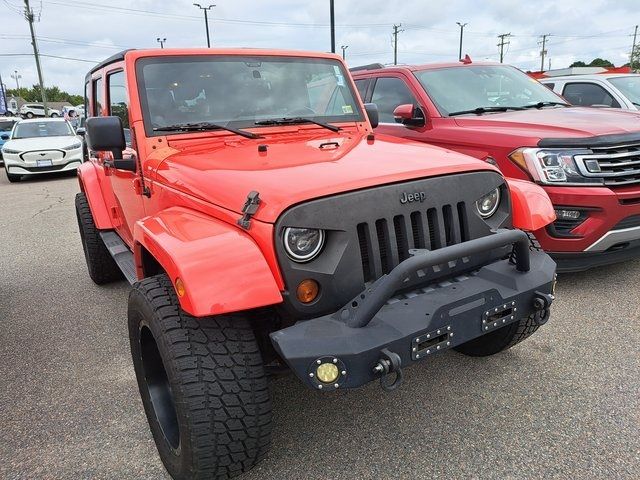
(601, 62)
(54, 94)
(578, 64)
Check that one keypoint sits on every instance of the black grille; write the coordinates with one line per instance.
(386, 242)
(617, 166)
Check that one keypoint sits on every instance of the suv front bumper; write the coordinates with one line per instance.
(417, 324)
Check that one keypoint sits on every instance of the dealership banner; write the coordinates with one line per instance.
(3, 99)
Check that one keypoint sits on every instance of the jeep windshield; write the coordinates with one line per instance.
(243, 92)
(485, 89)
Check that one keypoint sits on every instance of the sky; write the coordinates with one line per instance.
(86, 32)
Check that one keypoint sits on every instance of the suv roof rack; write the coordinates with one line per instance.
(371, 66)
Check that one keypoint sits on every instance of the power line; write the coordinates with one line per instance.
(48, 56)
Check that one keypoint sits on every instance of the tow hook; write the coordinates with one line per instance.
(542, 302)
(388, 364)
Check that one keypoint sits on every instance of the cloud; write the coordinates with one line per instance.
(93, 30)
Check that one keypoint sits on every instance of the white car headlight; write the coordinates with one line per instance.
(73, 146)
(10, 151)
(303, 244)
(488, 204)
(553, 166)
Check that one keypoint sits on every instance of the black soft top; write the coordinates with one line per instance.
(112, 59)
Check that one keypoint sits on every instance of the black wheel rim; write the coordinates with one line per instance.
(158, 389)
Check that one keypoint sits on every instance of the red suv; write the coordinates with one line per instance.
(263, 225)
(587, 160)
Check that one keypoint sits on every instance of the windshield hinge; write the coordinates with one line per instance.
(249, 209)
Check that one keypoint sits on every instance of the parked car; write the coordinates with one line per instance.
(31, 110)
(11, 112)
(6, 125)
(587, 160)
(263, 224)
(43, 145)
(598, 90)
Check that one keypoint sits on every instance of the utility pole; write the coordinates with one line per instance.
(17, 77)
(161, 41)
(206, 20)
(502, 44)
(344, 48)
(396, 31)
(633, 48)
(28, 14)
(333, 26)
(543, 52)
(462, 25)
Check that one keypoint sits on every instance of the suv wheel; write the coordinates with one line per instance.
(202, 382)
(12, 177)
(102, 267)
(505, 337)
(29, 115)
(54, 115)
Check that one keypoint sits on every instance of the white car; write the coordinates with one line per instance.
(615, 90)
(43, 145)
(31, 110)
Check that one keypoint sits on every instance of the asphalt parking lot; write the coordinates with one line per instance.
(564, 404)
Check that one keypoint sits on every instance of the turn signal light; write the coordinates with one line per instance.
(307, 291)
(180, 288)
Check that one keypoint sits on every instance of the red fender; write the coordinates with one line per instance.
(221, 267)
(90, 186)
(532, 209)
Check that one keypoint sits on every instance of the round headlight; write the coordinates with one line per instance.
(488, 204)
(303, 244)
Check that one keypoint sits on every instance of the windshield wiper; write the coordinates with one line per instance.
(203, 126)
(297, 120)
(546, 104)
(481, 110)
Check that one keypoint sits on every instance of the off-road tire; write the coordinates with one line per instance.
(505, 337)
(13, 178)
(215, 408)
(101, 265)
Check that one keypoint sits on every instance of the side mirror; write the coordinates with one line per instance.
(81, 131)
(105, 134)
(372, 113)
(409, 115)
(4, 136)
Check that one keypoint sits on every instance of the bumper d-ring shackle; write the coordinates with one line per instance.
(388, 364)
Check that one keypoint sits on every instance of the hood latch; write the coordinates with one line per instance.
(249, 209)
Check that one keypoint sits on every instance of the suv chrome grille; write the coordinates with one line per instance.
(619, 165)
(386, 242)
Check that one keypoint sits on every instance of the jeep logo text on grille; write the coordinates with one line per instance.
(413, 197)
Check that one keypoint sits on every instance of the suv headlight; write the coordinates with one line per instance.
(303, 244)
(553, 166)
(73, 146)
(489, 203)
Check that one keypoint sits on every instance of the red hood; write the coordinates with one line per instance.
(295, 169)
(555, 123)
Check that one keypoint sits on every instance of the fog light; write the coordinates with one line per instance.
(307, 291)
(568, 214)
(327, 372)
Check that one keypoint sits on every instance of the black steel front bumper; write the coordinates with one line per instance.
(380, 323)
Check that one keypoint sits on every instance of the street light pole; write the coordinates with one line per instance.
(161, 41)
(344, 48)
(333, 26)
(462, 25)
(17, 77)
(206, 20)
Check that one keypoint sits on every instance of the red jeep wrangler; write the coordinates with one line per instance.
(587, 160)
(263, 225)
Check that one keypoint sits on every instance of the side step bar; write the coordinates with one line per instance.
(121, 254)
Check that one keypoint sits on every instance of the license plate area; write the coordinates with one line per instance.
(431, 342)
(44, 163)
